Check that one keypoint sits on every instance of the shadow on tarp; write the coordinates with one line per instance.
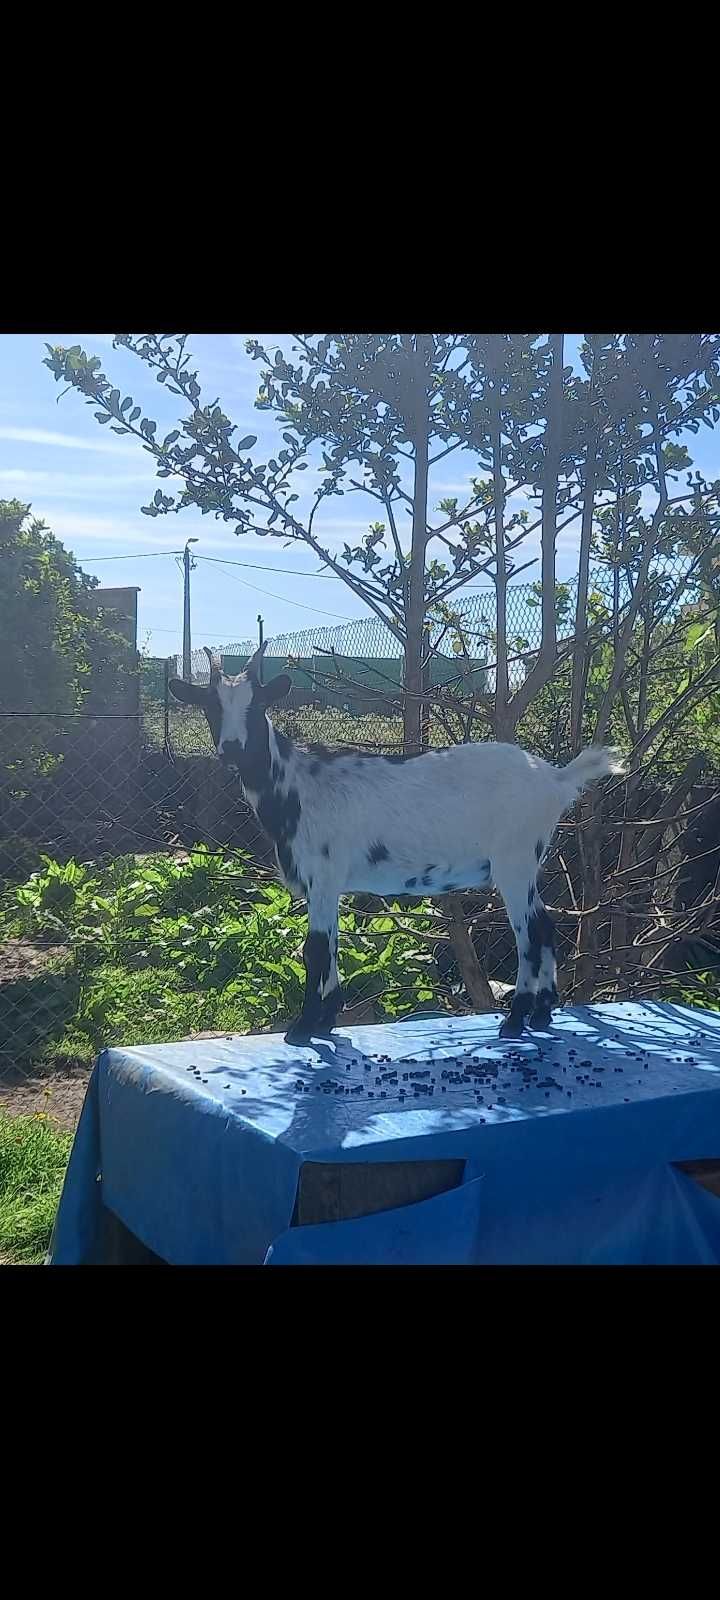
(207, 1171)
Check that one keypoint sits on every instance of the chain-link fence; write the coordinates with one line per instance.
(132, 873)
(347, 681)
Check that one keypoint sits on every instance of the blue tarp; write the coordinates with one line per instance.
(568, 1138)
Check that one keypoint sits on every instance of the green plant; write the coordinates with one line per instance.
(161, 947)
(699, 989)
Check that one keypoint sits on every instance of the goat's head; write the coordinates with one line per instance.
(235, 707)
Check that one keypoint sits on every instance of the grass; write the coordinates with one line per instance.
(33, 1158)
(331, 725)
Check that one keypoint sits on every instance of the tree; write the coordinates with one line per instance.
(58, 652)
(388, 408)
(598, 449)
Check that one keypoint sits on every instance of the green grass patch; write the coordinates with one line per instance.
(33, 1158)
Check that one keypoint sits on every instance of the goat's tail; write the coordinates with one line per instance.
(593, 763)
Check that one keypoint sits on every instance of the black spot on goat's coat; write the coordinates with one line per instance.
(317, 957)
(377, 852)
(279, 813)
(325, 851)
(541, 936)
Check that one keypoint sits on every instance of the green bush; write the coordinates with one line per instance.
(159, 948)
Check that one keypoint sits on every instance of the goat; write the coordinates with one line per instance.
(341, 822)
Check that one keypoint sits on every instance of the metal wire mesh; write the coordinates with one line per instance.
(347, 681)
(111, 795)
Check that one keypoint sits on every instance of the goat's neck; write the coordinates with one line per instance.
(264, 758)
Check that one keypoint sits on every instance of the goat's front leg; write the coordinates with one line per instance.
(323, 995)
(536, 988)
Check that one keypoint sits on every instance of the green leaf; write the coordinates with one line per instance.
(134, 414)
(248, 442)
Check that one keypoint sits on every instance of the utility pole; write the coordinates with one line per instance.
(188, 564)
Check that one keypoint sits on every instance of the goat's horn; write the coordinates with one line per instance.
(253, 667)
(215, 665)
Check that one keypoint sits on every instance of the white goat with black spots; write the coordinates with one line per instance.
(341, 822)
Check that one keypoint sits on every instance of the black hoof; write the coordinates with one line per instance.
(546, 1001)
(298, 1033)
(332, 1004)
(511, 1030)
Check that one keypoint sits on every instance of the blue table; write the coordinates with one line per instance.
(564, 1142)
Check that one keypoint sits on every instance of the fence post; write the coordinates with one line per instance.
(260, 645)
(425, 706)
(166, 707)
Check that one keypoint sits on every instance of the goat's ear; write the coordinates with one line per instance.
(191, 694)
(276, 689)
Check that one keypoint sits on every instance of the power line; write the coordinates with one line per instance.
(261, 567)
(178, 632)
(252, 566)
(297, 572)
(137, 555)
(338, 616)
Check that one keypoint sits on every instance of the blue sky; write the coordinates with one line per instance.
(89, 484)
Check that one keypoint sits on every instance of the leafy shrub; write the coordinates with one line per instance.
(161, 947)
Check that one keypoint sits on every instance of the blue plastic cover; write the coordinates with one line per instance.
(568, 1138)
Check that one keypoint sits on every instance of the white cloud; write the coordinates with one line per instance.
(126, 532)
(78, 485)
(74, 526)
(62, 441)
(77, 528)
(458, 486)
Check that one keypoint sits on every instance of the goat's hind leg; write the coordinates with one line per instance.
(541, 932)
(519, 894)
(332, 994)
